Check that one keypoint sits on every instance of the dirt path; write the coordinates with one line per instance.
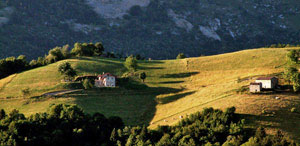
(62, 92)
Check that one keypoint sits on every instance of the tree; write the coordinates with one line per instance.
(2, 114)
(55, 55)
(87, 84)
(295, 79)
(98, 49)
(292, 75)
(288, 73)
(65, 51)
(131, 63)
(180, 56)
(292, 56)
(143, 76)
(66, 69)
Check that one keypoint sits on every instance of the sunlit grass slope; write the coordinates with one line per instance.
(175, 88)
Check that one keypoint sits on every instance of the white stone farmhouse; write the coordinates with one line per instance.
(267, 82)
(105, 80)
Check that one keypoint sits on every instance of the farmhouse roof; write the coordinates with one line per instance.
(109, 74)
(255, 83)
(265, 78)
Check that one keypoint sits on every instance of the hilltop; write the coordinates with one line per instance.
(158, 29)
(173, 88)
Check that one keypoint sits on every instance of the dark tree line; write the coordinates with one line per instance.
(69, 125)
(291, 73)
(208, 128)
(62, 125)
(13, 65)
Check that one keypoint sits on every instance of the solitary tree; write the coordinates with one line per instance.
(131, 63)
(67, 70)
(180, 56)
(143, 76)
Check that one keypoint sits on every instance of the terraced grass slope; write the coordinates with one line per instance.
(174, 89)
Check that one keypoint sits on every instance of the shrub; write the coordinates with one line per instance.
(180, 56)
(131, 63)
(87, 84)
(293, 110)
(66, 69)
(25, 91)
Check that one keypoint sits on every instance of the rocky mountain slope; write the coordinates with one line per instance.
(153, 28)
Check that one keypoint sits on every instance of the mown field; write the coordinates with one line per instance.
(173, 88)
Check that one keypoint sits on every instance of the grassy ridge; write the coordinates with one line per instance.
(174, 88)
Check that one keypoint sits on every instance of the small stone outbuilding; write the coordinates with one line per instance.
(267, 82)
(255, 87)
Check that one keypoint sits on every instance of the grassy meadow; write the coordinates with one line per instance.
(174, 88)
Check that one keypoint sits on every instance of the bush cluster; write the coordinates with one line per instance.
(61, 125)
(69, 125)
(208, 128)
(13, 65)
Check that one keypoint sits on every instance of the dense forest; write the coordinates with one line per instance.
(159, 29)
(69, 125)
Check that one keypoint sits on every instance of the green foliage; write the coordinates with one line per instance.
(66, 69)
(143, 76)
(253, 141)
(25, 91)
(2, 114)
(292, 75)
(61, 125)
(98, 49)
(69, 125)
(293, 56)
(86, 49)
(87, 84)
(279, 45)
(12, 65)
(293, 110)
(131, 63)
(180, 56)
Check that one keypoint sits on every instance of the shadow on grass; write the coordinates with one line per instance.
(179, 75)
(173, 98)
(171, 82)
(151, 62)
(133, 101)
(148, 68)
(280, 120)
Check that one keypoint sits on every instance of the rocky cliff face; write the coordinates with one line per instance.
(153, 28)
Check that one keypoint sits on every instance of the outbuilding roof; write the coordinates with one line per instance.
(265, 78)
(106, 74)
(255, 83)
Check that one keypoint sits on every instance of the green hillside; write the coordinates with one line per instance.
(173, 88)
